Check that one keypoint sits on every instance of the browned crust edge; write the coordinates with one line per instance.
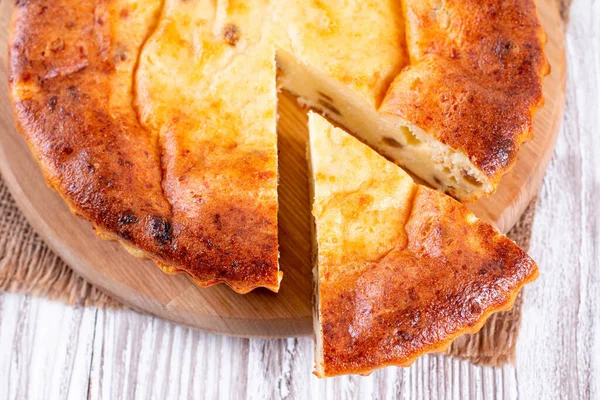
(443, 346)
(106, 166)
(372, 349)
(478, 89)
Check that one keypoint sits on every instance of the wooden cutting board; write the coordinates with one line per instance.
(141, 285)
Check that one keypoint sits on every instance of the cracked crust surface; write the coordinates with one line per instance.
(71, 83)
(402, 269)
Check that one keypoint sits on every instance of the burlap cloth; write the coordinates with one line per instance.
(28, 266)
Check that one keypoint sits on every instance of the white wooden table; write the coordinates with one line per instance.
(49, 350)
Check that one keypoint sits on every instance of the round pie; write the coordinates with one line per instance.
(156, 120)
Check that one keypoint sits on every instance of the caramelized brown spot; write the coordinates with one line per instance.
(161, 230)
(73, 91)
(52, 101)
(57, 45)
(218, 223)
(412, 294)
(124, 163)
(128, 218)
(121, 54)
(231, 34)
(476, 308)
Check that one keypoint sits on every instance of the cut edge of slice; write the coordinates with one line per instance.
(441, 166)
(314, 119)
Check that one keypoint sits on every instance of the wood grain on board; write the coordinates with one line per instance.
(138, 283)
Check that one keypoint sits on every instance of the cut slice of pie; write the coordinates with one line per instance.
(400, 269)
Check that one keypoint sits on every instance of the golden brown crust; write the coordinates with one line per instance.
(446, 281)
(96, 154)
(402, 269)
(475, 78)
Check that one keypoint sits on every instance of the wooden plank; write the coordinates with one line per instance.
(138, 356)
(42, 344)
(559, 344)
